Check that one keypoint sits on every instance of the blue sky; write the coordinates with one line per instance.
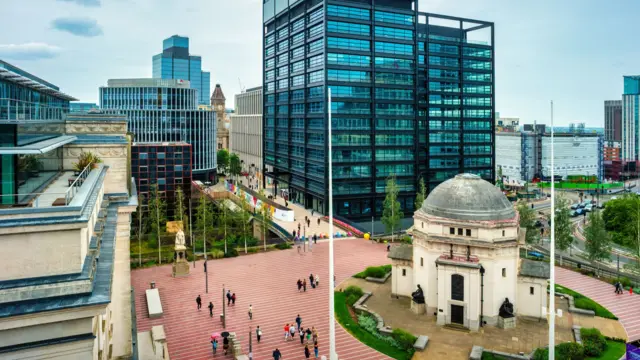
(572, 51)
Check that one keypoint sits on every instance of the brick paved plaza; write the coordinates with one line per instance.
(268, 282)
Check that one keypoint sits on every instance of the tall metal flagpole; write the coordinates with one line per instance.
(206, 272)
(191, 233)
(552, 251)
(332, 323)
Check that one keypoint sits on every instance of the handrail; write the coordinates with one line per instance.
(72, 190)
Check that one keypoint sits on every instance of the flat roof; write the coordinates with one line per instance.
(40, 147)
(177, 143)
(15, 77)
(148, 82)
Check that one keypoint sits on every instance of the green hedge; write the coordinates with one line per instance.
(374, 271)
(593, 341)
(386, 347)
(404, 338)
(614, 351)
(564, 351)
(352, 294)
(583, 302)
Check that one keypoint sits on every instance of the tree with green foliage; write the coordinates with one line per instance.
(235, 167)
(265, 214)
(224, 221)
(391, 213)
(181, 209)
(223, 159)
(528, 222)
(421, 195)
(621, 218)
(157, 216)
(562, 225)
(598, 241)
(204, 219)
(244, 217)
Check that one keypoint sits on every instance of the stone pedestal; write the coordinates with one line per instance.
(506, 323)
(180, 264)
(418, 309)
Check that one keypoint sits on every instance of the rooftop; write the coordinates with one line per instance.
(149, 82)
(534, 269)
(401, 252)
(13, 74)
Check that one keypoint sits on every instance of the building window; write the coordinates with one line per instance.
(404, 272)
(144, 156)
(422, 224)
(531, 291)
(502, 233)
(452, 231)
(421, 261)
(457, 287)
(162, 181)
(460, 231)
(161, 155)
(504, 272)
(468, 232)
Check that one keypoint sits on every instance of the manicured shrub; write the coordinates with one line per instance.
(375, 271)
(565, 351)
(283, 246)
(593, 341)
(231, 253)
(353, 290)
(404, 338)
(217, 254)
(352, 299)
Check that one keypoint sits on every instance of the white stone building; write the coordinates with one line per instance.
(466, 257)
(246, 131)
(65, 288)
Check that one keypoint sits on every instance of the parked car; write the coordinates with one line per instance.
(574, 213)
(536, 255)
(579, 212)
(575, 206)
(588, 208)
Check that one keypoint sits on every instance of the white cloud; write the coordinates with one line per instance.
(28, 51)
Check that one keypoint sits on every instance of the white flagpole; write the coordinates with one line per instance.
(332, 323)
(552, 251)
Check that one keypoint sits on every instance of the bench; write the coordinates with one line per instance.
(154, 307)
(421, 342)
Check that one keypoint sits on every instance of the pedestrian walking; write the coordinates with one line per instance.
(315, 238)
(299, 285)
(233, 299)
(388, 247)
(199, 302)
(318, 221)
(276, 354)
(311, 212)
(304, 285)
(301, 333)
(317, 279)
(306, 351)
(294, 234)
(214, 345)
(309, 223)
(292, 331)
(225, 345)
(630, 290)
(286, 332)
(308, 332)
(315, 349)
(299, 321)
(258, 333)
(311, 282)
(314, 335)
(250, 312)
(210, 309)
(228, 297)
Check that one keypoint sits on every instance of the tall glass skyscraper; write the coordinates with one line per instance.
(175, 62)
(630, 118)
(413, 96)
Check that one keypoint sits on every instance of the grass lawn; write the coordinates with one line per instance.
(344, 318)
(490, 356)
(615, 350)
(583, 302)
(374, 271)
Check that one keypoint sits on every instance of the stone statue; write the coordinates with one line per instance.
(506, 309)
(180, 238)
(418, 296)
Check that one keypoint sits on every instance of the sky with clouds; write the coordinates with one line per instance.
(572, 51)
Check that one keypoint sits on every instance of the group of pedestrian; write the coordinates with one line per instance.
(199, 304)
(231, 298)
(307, 338)
(620, 288)
(225, 345)
(314, 281)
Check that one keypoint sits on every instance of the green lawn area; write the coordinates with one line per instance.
(583, 302)
(344, 318)
(374, 271)
(615, 350)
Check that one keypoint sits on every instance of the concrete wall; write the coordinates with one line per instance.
(120, 306)
(114, 156)
(531, 304)
(402, 284)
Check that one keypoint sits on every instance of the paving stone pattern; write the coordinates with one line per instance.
(268, 282)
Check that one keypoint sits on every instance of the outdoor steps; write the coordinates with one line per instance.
(456, 327)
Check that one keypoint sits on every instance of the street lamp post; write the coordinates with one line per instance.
(332, 323)
(552, 251)
(224, 310)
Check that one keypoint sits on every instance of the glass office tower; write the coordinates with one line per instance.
(162, 111)
(175, 63)
(412, 97)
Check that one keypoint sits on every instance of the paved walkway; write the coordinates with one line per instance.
(626, 307)
(268, 282)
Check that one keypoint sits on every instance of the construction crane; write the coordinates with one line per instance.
(242, 89)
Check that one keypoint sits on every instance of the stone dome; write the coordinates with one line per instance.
(468, 197)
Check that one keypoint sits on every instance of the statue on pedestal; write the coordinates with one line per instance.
(418, 296)
(506, 309)
(180, 264)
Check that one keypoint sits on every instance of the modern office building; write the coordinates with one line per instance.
(413, 96)
(613, 121)
(175, 62)
(165, 110)
(76, 107)
(630, 118)
(526, 155)
(64, 265)
(166, 165)
(246, 131)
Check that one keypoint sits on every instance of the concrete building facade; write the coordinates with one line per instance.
(630, 118)
(613, 121)
(246, 130)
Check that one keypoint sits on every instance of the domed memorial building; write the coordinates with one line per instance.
(464, 261)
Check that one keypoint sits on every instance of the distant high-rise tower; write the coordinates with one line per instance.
(630, 118)
(613, 120)
(175, 63)
(218, 103)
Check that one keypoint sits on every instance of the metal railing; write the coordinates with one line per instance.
(77, 183)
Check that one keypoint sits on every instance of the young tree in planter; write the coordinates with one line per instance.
(224, 219)
(598, 241)
(235, 168)
(562, 225)
(391, 213)
(528, 222)
(421, 195)
(223, 159)
(157, 216)
(204, 219)
(244, 217)
(265, 213)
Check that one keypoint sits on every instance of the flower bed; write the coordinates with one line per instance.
(351, 231)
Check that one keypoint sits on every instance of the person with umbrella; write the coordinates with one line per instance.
(225, 342)
(214, 342)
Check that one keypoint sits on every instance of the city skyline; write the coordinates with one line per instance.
(545, 49)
